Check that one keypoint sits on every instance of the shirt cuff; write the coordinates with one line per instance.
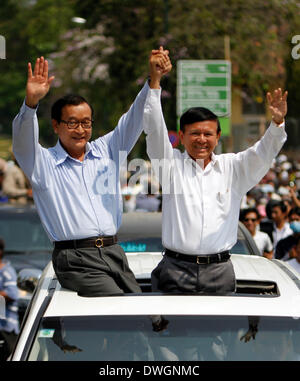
(276, 129)
(154, 93)
(28, 110)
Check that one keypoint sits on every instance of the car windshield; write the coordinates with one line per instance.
(23, 232)
(187, 338)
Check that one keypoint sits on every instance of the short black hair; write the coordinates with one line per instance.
(198, 114)
(244, 212)
(295, 210)
(281, 205)
(69, 99)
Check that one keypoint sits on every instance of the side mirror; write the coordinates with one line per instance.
(28, 279)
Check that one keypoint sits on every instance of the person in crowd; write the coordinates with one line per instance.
(281, 227)
(202, 192)
(251, 218)
(295, 261)
(284, 248)
(9, 326)
(293, 195)
(3, 167)
(15, 185)
(76, 185)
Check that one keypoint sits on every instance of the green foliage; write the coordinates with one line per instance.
(106, 59)
(31, 28)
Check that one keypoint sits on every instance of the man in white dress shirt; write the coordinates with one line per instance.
(202, 192)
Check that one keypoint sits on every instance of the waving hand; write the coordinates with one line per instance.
(277, 105)
(38, 82)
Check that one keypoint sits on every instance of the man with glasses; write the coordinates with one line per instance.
(76, 185)
(250, 218)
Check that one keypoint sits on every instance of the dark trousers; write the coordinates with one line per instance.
(177, 276)
(94, 271)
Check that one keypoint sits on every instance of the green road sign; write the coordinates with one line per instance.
(205, 84)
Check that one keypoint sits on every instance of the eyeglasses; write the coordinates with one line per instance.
(73, 124)
(250, 219)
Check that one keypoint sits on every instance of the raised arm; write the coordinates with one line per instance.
(252, 164)
(130, 125)
(158, 143)
(38, 82)
(25, 124)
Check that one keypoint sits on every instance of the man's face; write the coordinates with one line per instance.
(294, 217)
(200, 139)
(74, 141)
(277, 214)
(251, 221)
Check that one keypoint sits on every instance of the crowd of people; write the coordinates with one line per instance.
(270, 211)
(14, 186)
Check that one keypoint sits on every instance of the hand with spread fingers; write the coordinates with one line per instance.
(38, 82)
(159, 65)
(277, 105)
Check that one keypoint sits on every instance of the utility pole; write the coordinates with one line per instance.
(227, 58)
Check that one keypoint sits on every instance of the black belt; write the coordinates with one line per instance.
(86, 242)
(199, 259)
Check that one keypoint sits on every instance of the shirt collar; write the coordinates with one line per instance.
(215, 160)
(61, 154)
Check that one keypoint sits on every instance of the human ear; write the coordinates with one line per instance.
(55, 125)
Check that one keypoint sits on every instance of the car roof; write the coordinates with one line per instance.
(265, 288)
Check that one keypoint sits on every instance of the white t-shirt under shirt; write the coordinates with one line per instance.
(263, 242)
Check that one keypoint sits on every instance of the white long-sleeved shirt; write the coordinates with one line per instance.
(200, 208)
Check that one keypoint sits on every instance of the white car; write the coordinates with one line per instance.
(260, 321)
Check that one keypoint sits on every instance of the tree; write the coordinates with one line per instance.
(31, 28)
(105, 59)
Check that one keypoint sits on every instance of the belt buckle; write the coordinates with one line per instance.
(99, 242)
(199, 262)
